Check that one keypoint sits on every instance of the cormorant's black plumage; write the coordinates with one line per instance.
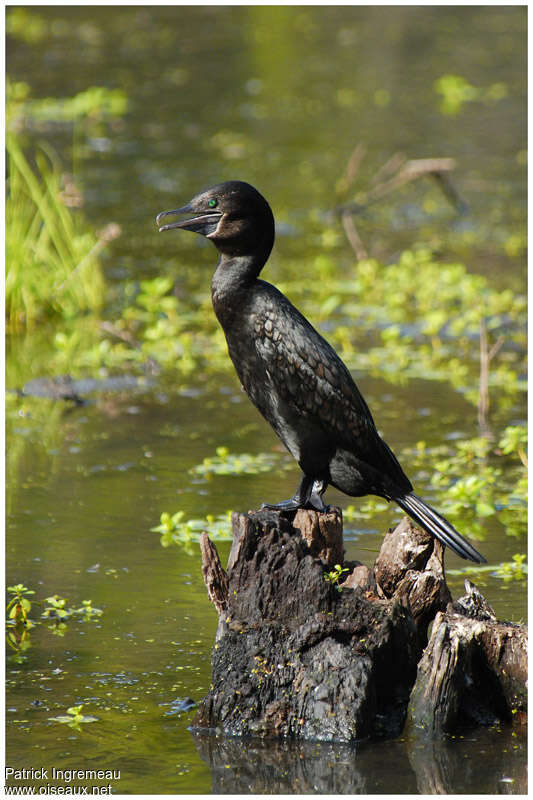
(291, 373)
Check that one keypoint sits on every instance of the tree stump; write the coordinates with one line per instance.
(307, 651)
(474, 669)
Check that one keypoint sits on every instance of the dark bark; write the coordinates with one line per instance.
(300, 656)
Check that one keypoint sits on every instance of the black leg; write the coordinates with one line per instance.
(308, 495)
(315, 498)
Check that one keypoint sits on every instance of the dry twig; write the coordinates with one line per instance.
(396, 172)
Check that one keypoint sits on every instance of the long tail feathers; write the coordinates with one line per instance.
(439, 527)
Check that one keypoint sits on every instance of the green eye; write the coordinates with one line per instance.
(213, 203)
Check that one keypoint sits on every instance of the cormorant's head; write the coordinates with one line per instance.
(233, 215)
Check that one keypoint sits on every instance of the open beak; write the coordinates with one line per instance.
(204, 223)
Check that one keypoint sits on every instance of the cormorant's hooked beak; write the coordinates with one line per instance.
(205, 223)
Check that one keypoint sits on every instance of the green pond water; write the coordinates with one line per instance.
(278, 96)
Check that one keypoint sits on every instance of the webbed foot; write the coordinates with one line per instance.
(284, 505)
(308, 495)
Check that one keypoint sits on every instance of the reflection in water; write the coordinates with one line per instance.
(488, 762)
(260, 766)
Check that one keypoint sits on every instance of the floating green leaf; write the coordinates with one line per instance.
(73, 718)
(175, 530)
(226, 463)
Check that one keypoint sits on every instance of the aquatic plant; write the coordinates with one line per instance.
(87, 611)
(416, 338)
(174, 529)
(508, 571)
(56, 611)
(56, 608)
(90, 106)
(74, 718)
(18, 624)
(26, 25)
(367, 508)
(419, 336)
(515, 570)
(19, 607)
(51, 254)
(226, 463)
(477, 478)
(456, 90)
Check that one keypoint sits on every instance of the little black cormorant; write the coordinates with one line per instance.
(291, 373)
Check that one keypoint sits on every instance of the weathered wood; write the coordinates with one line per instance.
(322, 534)
(474, 669)
(215, 577)
(301, 656)
(410, 568)
(296, 656)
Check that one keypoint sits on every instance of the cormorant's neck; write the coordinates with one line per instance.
(234, 277)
